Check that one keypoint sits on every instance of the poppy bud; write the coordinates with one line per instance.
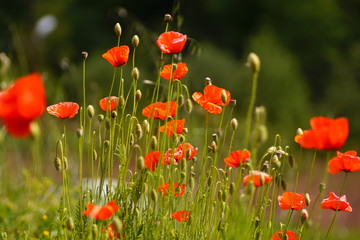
(304, 215)
(183, 163)
(215, 137)
(114, 114)
(168, 18)
(35, 129)
(263, 133)
(138, 130)
(4, 235)
(79, 132)
(299, 131)
(283, 184)
(181, 100)
(192, 182)
(207, 81)
(138, 95)
(224, 96)
(84, 55)
(322, 187)
(107, 124)
(65, 163)
(117, 29)
(234, 123)
(146, 126)
(118, 225)
(188, 105)
(253, 62)
(220, 193)
(276, 162)
(307, 199)
(154, 195)
(269, 225)
(232, 102)
(121, 102)
(209, 181)
(183, 174)
(260, 113)
(153, 142)
(57, 163)
(213, 146)
(106, 144)
(232, 188)
(70, 224)
(224, 196)
(94, 155)
(94, 230)
(90, 111)
(100, 118)
(135, 41)
(135, 74)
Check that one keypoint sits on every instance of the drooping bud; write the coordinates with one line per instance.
(84, 55)
(322, 186)
(118, 225)
(135, 74)
(114, 114)
(153, 142)
(94, 230)
(224, 96)
(146, 126)
(188, 105)
(253, 62)
(79, 132)
(168, 18)
(100, 118)
(215, 137)
(135, 41)
(90, 111)
(304, 215)
(106, 144)
(57, 163)
(283, 184)
(192, 182)
(234, 123)
(138, 130)
(117, 29)
(232, 188)
(65, 163)
(140, 163)
(94, 155)
(121, 103)
(181, 100)
(107, 124)
(307, 199)
(138, 95)
(154, 195)
(299, 131)
(70, 224)
(207, 81)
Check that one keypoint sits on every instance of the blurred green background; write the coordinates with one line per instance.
(309, 51)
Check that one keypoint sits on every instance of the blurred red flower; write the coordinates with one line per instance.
(184, 150)
(336, 203)
(258, 178)
(291, 200)
(211, 100)
(279, 235)
(101, 212)
(108, 103)
(346, 162)
(160, 110)
(326, 134)
(151, 160)
(111, 232)
(181, 216)
(171, 42)
(117, 56)
(63, 109)
(176, 189)
(20, 104)
(237, 157)
(179, 71)
(172, 126)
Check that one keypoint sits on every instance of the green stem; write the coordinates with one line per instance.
(250, 110)
(311, 170)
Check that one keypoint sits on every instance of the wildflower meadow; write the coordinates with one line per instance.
(160, 159)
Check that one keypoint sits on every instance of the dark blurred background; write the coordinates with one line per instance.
(309, 49)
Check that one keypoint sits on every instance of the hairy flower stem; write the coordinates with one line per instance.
(337, 209)
(250, 110)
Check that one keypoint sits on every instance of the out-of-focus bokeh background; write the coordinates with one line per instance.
(309, 51)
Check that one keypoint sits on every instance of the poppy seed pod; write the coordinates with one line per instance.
(117, 29)
(135, 41)
(135, 74)
(90, 111)
(253, 62)
(234, 123)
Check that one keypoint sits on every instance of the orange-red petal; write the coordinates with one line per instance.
(117, 56)
(258, 178)
(181, 216)
(336, 203)
(101, 212)
(160, 110)
(237, 157)
(63, 109)
(171, 42)
(151, 160)
(290, 235)
(291, 200)
(179, 71)
(173, 126)
(108, 103)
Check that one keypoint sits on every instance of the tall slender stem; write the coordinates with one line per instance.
(250, 110)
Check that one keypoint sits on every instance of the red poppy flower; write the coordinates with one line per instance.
(185, 150)
(179, 71)
(108, 103)
(172, 126)
(181, 216)
(176, 190)
(151, 160)
(101, 212)
(237, 157)
(279, 235)
(63, 109)
(22, 103)
(211, 99)
(171, 42)
(346, 162)
(291, 200)
(258, 178)
(117, 56)
(111, 232)
(326, 134)
(160, 110)
(336, 203)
